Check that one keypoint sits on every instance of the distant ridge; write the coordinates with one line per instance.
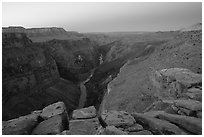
(43, 34)
(197, 26)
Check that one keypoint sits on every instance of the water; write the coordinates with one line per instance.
(83, 95)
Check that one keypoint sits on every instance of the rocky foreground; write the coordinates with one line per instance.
(179, 112)
(53, 120)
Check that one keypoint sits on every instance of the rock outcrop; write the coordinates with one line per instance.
(44, 34)
(175, 82)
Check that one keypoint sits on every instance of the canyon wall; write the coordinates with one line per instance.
(38, 74)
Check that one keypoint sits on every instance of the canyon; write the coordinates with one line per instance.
(101, 83)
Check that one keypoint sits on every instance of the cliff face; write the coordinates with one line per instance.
(15, 40)
(74, 58)
(25, 71)
(44, 34)
(32, 71)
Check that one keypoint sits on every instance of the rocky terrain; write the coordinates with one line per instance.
(144, 83)
(53, 120)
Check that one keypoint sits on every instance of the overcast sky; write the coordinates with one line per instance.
(102, 17)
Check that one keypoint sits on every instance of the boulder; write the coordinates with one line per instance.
(191, 124)
(112, 130)
(157, 126)
(53, 110)
(84, 113)
(84, 126)
(188, 104)
(118, 118)
(143, 132)
(52, 126)
(134, 128)
(20, 126)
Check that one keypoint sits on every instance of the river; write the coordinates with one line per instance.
(83, 95)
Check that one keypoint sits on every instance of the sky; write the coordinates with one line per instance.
(102, 17)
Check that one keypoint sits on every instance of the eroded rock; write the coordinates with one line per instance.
(191, 124)
(182, 75)
(52, 126)
(189, 104)
(173, 83)
(134, 128)
(53, 110)
(20, 126)
(157, 126)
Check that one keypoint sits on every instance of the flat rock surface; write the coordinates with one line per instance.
(84, 113)
(20, 126)
(118, 118)
(191, 124)
(84, 126)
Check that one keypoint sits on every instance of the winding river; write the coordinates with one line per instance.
(83, 95)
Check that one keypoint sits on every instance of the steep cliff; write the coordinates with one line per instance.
(15, 40)
(74, 58)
